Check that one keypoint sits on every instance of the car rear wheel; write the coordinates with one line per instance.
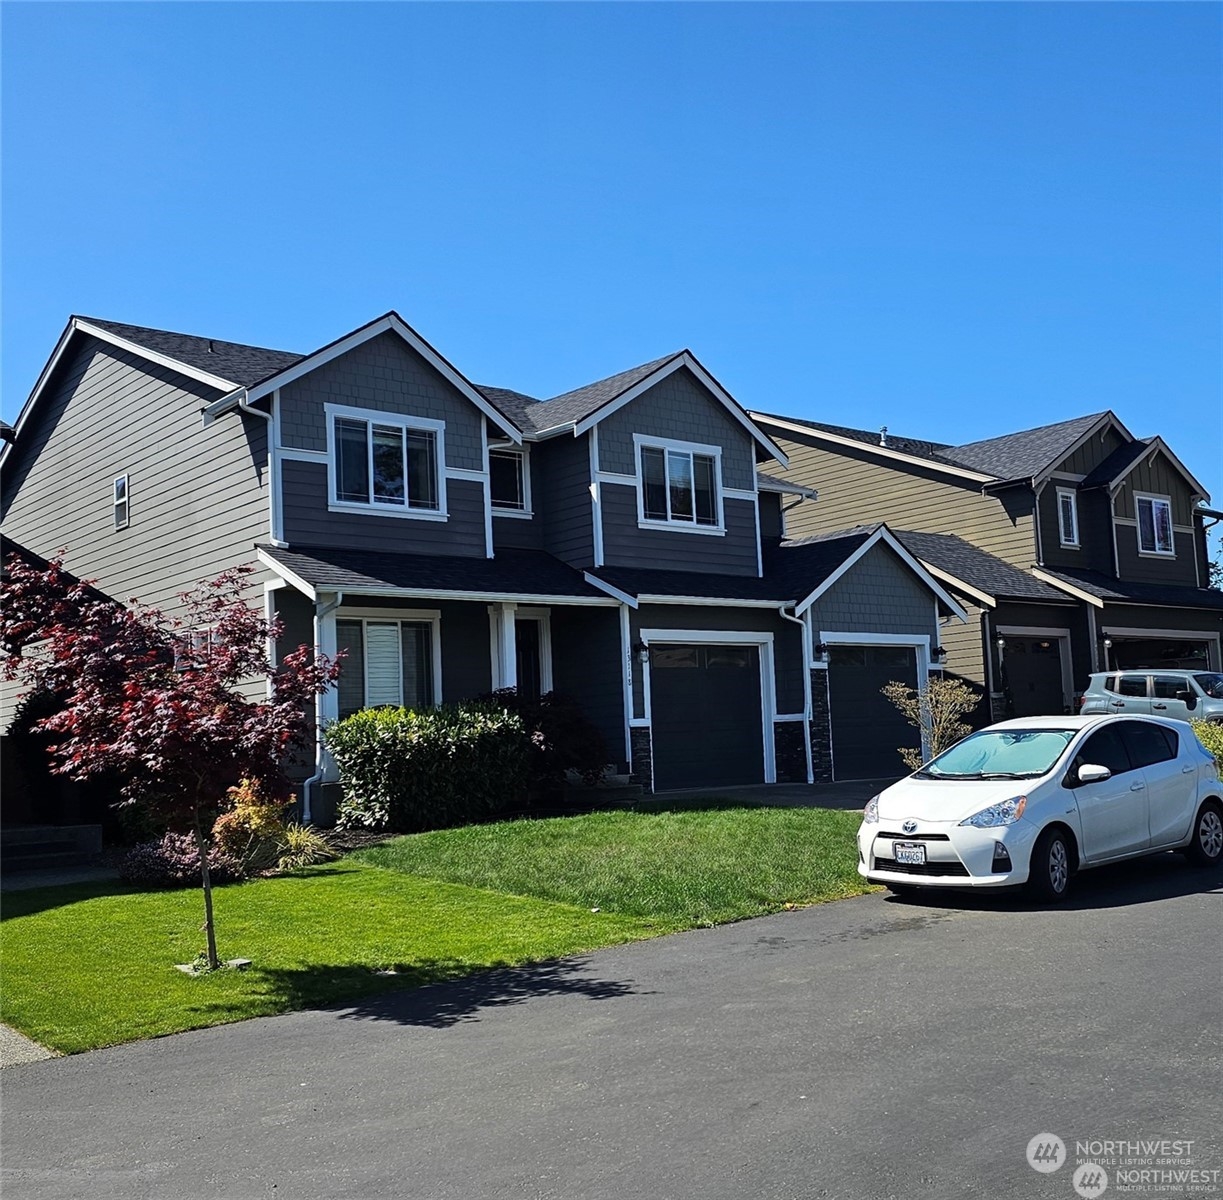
(1206, 849)
(1051, 866)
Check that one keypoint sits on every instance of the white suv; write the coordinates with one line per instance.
(1183, 695)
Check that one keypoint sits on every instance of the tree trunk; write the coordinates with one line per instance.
(202, 846)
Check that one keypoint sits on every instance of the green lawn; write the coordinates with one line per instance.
(92, 965)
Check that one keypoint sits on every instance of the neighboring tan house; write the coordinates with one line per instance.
(1075, 547)
(614, 543)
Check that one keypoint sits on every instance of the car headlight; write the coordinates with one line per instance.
(870, 814)
(1007, 812)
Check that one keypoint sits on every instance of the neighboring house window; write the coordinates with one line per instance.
(679, 484)
(1155, 525)
(386, 462)
(121, 504)
(386, 662)
(510, 481)
(1068, 516)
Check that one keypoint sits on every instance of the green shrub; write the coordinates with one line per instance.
(1210, 734)
(408, 771)
(304, 846)
(563, 738)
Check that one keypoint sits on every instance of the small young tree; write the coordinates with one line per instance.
(156, 699)
(938, 710)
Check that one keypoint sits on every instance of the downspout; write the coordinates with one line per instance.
(806, 633)
(320, 611)
(1040, 551)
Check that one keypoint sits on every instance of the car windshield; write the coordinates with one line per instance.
(1000, 754)
(1211, 684)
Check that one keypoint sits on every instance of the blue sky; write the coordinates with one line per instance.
(956, 220)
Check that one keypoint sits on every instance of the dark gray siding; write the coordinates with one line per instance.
(296, 614)
(679, 408)
(787, 643)
(307, 521)
(466, 650)
(1141, 616)
(586, 665)
(564, 499)
(627, 545)
(1095, 551)
(516, 532)
(1156, 477)
(1180, 569)
(384, 374)
(879, 594)
(771, 520)
(1093, 452)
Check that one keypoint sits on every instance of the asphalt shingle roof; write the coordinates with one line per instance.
(975, 567)
(512, 572)
(1120, 590)
(230, 360)
(905, 445)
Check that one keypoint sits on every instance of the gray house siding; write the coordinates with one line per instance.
(564, 498)
(586, 665)
(627, 545)
(517, 532)
(1095, 549)
(1180, 569)
(878, 595)
(387, 375)
(307, 521)
(467, 667)
(1094, 451)
(787, 643)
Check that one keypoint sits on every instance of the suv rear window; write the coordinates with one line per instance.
(1132, 685)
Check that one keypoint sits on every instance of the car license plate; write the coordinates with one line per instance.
(910, 853)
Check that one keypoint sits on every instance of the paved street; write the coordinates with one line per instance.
(867, 1049)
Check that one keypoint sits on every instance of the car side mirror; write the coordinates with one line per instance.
(1093, 773)
(1191, 701)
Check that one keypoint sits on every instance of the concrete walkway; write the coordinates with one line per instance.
(16, 1048)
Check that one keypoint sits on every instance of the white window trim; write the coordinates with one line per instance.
(125, 503)
(381, 616)
(1154, 498)
(523, 454)
(1069, 541)
(643, 441)
(375, 416)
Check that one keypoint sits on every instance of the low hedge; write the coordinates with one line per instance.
(408, 771)
(1210, 734)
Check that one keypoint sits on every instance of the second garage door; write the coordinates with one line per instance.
(866, 728)
(705, 716)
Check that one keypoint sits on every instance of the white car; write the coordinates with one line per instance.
(1033, 800)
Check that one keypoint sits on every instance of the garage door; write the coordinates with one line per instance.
(1188, 654)
(866, 729)
(705, 716)
(1032, 676)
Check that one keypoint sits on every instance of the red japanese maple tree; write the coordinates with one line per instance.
(158, 700)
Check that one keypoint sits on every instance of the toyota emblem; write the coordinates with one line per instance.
(910, 826)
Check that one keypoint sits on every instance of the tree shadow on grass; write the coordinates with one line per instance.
(437, 993)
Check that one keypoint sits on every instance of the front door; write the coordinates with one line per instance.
(1032, 676)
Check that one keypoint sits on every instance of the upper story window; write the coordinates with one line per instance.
(1068, 516)
(679, 485)
(1155, 525)
(510, 482)
(386, 463)
(122, 506)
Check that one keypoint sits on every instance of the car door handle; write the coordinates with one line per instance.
(1138, 787)
(1188, 770)
(1159, 706)
(1117, 703)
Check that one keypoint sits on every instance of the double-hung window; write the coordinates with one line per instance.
(1154, 525)
(510, 482)
(386, 463)
(679, 484)
(121, 503)
(1068, 516)
(386, 662)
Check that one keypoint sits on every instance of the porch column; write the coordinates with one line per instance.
(505, 644)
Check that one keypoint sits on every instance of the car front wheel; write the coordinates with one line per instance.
(1206, 849)
(1052, 863)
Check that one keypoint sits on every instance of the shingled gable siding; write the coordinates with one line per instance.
(198, 493)
(307, 521)
(564, 499)
(857, 489)
(678, 408)
(387, 375)
(1093, 452)
(879, 594)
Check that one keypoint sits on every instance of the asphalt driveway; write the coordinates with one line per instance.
(866, 1049)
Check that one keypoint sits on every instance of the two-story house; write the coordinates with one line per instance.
(615, 543)
(1075, 547)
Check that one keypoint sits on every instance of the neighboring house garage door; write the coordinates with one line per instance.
(705, 716)
(866, 728)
